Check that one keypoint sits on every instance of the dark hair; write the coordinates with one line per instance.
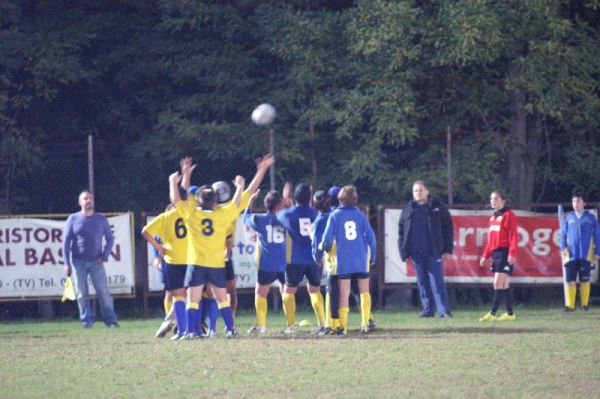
(348, 196)
(578, 194)
(206, 197)
(272, 200)
(500, 194)
(321, 201)
(85, 191)
(302, 194)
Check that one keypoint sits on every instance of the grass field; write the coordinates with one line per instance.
(545, 353)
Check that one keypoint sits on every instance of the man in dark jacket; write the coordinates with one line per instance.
(425, 234)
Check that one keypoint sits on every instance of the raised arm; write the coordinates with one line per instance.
(186, 171)
(239, 183)
(174, 180)
(261, 169)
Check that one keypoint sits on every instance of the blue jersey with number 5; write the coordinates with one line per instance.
(354, 240)
(297, 221)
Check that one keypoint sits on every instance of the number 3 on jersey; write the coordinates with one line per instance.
(350, 229)
(207, 227)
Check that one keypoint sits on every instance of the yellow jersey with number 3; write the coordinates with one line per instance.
(207, 232)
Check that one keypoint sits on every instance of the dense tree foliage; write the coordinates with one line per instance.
(366, 93)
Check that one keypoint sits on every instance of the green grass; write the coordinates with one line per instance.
(545, 353)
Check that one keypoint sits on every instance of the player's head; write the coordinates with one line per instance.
(223, 191)
(348, 196)
(334, 191)
(497, 199)
(321, 201)
(302, 194)
(272, 201)
(420, 191)
(86, 201)
(206, 197)
(578, 201)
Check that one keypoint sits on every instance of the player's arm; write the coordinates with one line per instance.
(371, 240)
(327, 240)
(155, 244)
(596, 238)
(174, 180)
(239, 183)
(511, 226)
(564, 234)
(186, 172)
(261, 169)
(287, 194)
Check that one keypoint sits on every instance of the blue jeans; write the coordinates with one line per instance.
(97, 274)
(430, 280)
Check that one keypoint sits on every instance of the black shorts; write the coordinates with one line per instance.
(229, 273)
(357, 276)
(174, 276)
(200, 275)
(266, 277)
(579, 267)
(500, 262)
(295, 273)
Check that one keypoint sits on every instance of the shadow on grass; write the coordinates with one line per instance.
(395, 333)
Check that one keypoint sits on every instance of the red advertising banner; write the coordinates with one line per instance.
(538, 259)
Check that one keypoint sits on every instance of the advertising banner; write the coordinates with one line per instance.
(538, 258)
(31, 259)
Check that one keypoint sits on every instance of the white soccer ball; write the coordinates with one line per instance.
(264, 114)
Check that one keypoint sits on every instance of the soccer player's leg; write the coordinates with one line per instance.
(293, 276)
(344, 305)
(334, 302)
(505, 284)
(216, 277)
(365, 300)
(316, 297)
(263, 287)
(571, 269)
(230, 284)
(175, 283)
(584, 284)
(194, 281)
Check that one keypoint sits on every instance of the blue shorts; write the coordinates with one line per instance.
(358, 276)
(295, 273)
(500, 262)
(266, 277)
(579, 267)
(200, 275)
(229, 273)
(174, 276)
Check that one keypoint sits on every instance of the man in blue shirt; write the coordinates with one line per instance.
(82, 248)
(578, 232)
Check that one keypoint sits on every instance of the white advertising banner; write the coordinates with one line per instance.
(243, 256)
(31, 259)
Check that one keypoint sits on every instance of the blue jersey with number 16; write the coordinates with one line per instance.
(270, 254)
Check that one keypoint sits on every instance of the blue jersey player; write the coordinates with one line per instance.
(298, 221)
(350, 235)
(270, 254)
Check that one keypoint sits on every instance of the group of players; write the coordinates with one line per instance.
(193, 240)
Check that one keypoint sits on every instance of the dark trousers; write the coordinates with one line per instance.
(430, 280)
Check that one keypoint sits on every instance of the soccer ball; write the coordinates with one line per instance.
(264, 114)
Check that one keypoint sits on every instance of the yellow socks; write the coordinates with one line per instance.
(168, 305)
(571, 293)
(365, 308)
(344, 318)
(261, 311)
(584, 291)
(289, 308)
(316, 299)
